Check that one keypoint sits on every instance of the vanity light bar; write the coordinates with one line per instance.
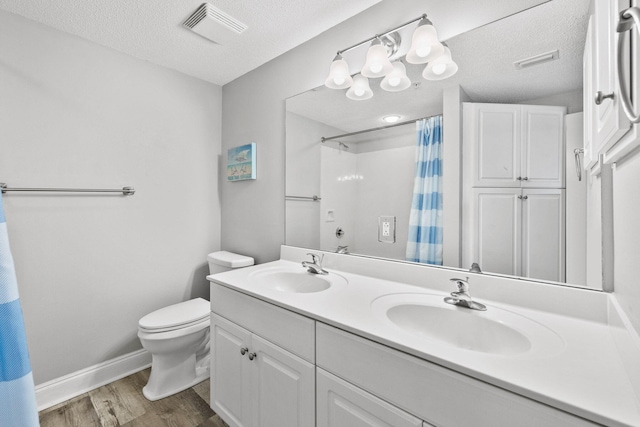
(536, 60)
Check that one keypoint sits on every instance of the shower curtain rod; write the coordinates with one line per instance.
(323, 139)
(126, 191)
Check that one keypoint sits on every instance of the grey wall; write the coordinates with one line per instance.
(75, 114)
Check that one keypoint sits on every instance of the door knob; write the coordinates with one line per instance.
(243, 350)
(601, 97)
(252, 356)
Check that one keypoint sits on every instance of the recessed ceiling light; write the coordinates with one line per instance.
(391, 119)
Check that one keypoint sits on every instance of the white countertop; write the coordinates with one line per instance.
(585, 377)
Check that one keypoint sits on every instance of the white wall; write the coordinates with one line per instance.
(75, 114)
(254, 110)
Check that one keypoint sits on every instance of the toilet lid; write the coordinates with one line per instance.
(176, 315)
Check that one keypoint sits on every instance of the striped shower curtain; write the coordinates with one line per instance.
(17, 394)
(425, 221)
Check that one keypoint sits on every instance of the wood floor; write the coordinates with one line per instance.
(121, 403)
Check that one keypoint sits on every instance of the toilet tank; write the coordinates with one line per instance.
(222, 261)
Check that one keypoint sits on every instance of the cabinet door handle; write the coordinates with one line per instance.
(525, 197)
(243, 350)
(627, 20)
(519, 178)
(252, 356)
(520, 197)
(526, 178)
(601, 97)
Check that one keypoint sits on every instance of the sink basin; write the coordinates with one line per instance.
(296, 280)
(495, 331)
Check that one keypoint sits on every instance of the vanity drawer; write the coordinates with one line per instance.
(285, 328)
(436, 394)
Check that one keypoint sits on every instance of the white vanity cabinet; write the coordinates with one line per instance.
(520, 232)
(514, 145)
(255, 382)
(428, 391)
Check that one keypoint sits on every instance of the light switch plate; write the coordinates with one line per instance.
(387, 229)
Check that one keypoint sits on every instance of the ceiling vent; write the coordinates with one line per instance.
(537, 60)
(215, 25)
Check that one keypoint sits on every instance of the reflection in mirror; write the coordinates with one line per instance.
(361, 183)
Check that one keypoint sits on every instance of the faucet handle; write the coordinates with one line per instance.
(463, 284)
(315, 259)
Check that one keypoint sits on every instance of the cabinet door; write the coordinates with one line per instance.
(543, 234)
(496, 233)
(492, 134)
(542, 146)
(230, 376)
(283, 387)
(588, 106)
(610, 122)
(341, 404)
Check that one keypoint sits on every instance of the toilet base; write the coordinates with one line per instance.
(175, 380)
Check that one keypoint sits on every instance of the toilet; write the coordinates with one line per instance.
(177, 337)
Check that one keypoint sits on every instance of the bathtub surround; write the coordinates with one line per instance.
(76, 114)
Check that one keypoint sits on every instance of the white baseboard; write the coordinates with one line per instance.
(79, 382)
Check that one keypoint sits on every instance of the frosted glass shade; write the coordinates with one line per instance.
(339, 77)
(360, 89)
(441, 68)
(378, 64)
(425, 46)
(397, 79)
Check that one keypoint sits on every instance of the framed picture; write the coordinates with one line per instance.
(241, 162)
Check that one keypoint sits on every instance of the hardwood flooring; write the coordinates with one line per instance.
(121, 404)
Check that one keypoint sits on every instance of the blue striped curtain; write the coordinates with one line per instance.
(17, 395)
(425, 221)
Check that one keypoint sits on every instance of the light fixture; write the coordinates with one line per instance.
(391, 119)
(339, 77)
(536, 60)
(378, 64)
(425, 46)
(441, 68)
(360, 89)
(397, 79)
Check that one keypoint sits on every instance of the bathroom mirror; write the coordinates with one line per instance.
(352, 183)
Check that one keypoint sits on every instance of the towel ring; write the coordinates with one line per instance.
(628, 18)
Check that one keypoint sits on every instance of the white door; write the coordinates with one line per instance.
(543, 234)
(283, 387)
(341, 404)
(542, 146)
(609, 119)
(492, 132)
(496, 232)
(230, 376)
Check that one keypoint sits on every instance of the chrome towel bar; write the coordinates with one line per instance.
(314, 198)
(126, 191)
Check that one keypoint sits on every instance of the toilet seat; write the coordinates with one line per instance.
(176, 316)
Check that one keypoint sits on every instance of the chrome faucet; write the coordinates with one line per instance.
(342, 249)
(462, 298)
(475, 268)
(315, 265)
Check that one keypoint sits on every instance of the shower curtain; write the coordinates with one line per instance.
(17, 395)
(425, 221)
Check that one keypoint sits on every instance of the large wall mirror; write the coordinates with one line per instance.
(340, 190)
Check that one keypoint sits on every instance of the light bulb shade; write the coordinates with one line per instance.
(425, 46)
(441, 68)
(339, 77)
(360, 89)
(397, 79)
(378, 64)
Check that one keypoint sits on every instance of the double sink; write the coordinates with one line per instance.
(426, 317)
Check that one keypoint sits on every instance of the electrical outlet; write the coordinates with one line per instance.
(387, 229)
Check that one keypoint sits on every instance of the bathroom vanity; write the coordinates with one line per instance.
(373, 343)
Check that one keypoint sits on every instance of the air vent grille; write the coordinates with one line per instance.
(214, 15)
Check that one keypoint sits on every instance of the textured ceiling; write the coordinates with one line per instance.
(152, 29)
(485, 58)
